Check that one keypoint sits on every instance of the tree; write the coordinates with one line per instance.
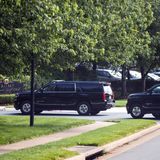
(62, 33)
(27, 33)
(27, 27)
(149, 57)
(125, 32)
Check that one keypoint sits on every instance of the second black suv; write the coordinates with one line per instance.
(146, 102)
(86, 97)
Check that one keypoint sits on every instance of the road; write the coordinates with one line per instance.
(145, 148)
(110, 114)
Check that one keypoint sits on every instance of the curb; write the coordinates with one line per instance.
(109, 147)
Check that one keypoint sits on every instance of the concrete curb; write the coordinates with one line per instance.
(108, 147)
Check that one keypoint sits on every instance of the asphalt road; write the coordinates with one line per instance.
(144, 148)
(110, 114)
(146, 151)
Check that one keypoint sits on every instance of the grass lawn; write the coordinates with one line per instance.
(16, 128)
(121, 103)
(57, 151)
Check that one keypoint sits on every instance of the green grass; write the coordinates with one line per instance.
(121, 103)
(57, 150)
(16, 128)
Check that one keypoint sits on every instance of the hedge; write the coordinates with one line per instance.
(7, 98)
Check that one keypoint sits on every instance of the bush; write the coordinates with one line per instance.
(7, 98)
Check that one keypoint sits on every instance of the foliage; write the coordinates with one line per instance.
(26, 27)
(2, 77)
(121, 103)
(62, 33)
(148, 58)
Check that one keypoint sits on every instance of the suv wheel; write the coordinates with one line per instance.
(136, 111)
(156, 115)
(26, 107)
(83, 108)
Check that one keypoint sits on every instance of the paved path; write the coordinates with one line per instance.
(52, 137)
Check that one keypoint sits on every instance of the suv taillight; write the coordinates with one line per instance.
(103, 97)
(112, 96)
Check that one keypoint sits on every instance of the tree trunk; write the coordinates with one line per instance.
(143, 80)
(128, 75)
(124, 90)
(32, 89)
(94, 65)
(143, 84)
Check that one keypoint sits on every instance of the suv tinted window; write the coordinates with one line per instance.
(50, 87)
(90, 87)
(156, 90)
(64, 87)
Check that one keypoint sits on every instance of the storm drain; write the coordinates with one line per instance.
(89, 152)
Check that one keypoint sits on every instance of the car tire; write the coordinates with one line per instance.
(83, 108)
(137, 111)
(156, 115)
(26, 107)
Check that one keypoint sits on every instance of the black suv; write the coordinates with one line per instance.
(146, 102)
(86, 97)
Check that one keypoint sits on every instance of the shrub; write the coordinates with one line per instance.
(7, 98)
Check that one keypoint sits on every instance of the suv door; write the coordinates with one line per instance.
(155, 98)
(45, 98)
(65, 95)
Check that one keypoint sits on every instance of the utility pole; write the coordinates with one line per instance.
(32, 90)
(32, 69)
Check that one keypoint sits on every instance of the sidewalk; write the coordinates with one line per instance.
(2, 108)
(52, 137)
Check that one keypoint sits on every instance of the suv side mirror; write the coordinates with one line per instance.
(151, 92)
(41, 90)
